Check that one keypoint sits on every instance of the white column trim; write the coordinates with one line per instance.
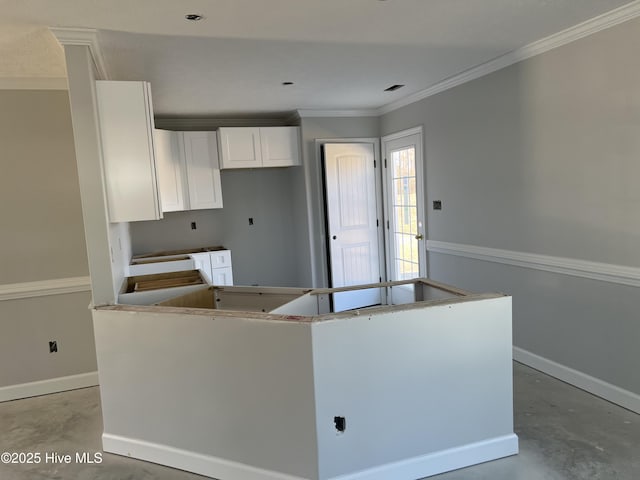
(51, 385)
(41, 288)
(605, 272)
(87, 37)
(589, 27)
(600, 388)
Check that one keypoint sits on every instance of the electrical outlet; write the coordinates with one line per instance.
(340, 423)
(250, 220)
(53, 346)
(437, 204)
(193, 225)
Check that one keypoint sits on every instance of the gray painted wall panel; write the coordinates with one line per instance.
(27, 327)
(542, 157)
(42, 230)
(42, 239)
(222, 364)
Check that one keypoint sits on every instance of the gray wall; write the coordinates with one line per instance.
(42, 232)
(42, 239)
(262, 253)
(542, 157)
(311, 242)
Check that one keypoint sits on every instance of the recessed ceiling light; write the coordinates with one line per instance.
(393, 88)
(193, 17)
(287, 83)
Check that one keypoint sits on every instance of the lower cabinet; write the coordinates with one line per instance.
(215, 266)
(188, 170)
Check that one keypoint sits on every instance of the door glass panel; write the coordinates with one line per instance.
(405, 214)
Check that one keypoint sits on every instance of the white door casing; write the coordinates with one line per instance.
(352, 221)
(405, 235)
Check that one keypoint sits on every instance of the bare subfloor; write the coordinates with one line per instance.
(565, 434)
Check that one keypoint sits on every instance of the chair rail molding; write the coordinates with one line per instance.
(42, 288)
(605, 272)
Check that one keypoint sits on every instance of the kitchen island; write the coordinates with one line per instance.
(269, 383)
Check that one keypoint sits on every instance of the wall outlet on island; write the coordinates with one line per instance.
(193, 225)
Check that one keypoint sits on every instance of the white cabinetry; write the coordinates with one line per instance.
(214, 266)
(172, 177)
(253, 147)
(203, 169)
(189, 172)
(125, 116)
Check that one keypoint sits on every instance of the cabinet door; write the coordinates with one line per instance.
(280, 146)
(203, 171)
(125, 115)
(221, 259)
(171, 171)
(240, 147)
(222, 276)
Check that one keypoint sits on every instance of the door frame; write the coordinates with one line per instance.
(323, 267)
(420, 194)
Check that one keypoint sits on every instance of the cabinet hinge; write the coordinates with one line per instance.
(385, 163)
(380, 279)
(387, 224)
(377, 222)
(374, 164)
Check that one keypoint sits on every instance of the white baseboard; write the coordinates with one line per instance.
(410, 469)
(52, 385)
(185, 460)
(600, 388)
(439, 462)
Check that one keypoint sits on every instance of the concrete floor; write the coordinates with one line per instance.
(565, 434)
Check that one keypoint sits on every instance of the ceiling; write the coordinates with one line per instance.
(340, 54)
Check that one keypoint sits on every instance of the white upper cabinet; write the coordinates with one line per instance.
(240, 147)
(253, 147)
(188, 170)
(172, 177)
(203, 170)
(280, 146)
(125, 116)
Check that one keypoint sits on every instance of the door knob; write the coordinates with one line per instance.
(419, 236)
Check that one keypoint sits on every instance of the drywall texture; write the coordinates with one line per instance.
(42, 232)
(542, 157)
(29, 324)
(262, 252)
(309, 211)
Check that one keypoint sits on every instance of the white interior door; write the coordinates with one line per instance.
(404, 205)
(352, 222)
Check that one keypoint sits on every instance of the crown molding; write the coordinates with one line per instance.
(87, 37)
(581, 30)
(33, 83)
(213, 123)
(367, 112)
